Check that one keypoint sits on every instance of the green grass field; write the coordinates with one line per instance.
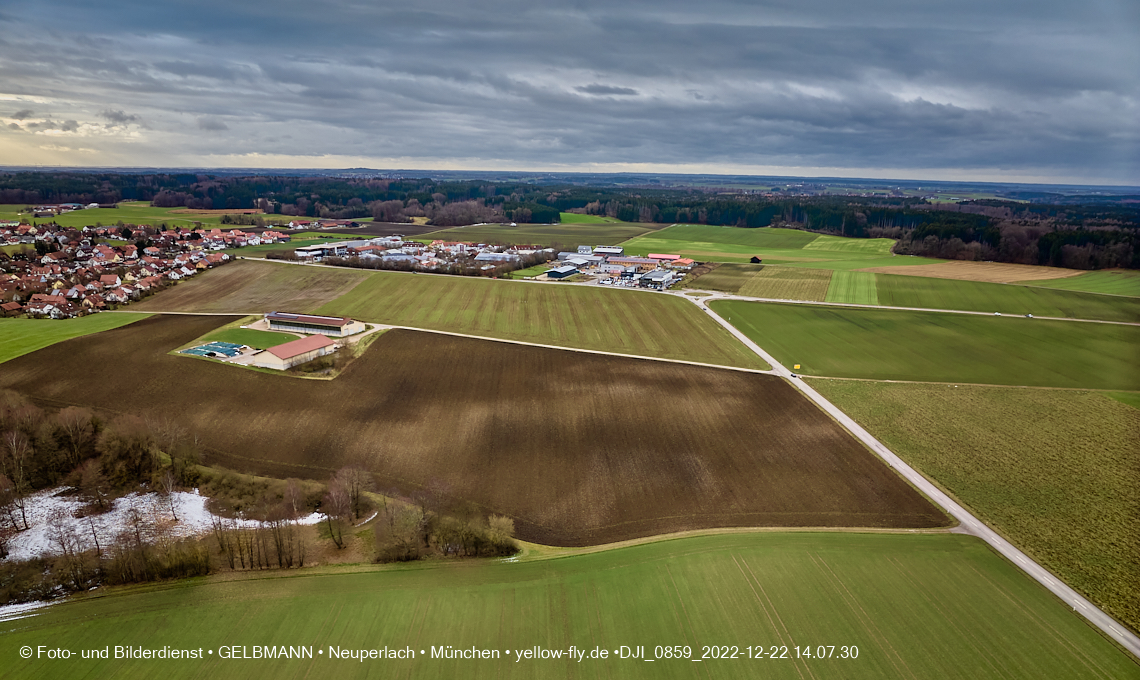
(21, 336)
(131, 212)
(920, 606)
(1055, 471)
(565, 235)
(932, 346)
(1113, 282)
(787, 283)
(857, 288)
(916, 291)
(529, 271)
(575, 218)
(246, 336)
(774, 246)
(570, 316)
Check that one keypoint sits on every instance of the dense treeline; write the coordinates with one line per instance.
(1088, 236)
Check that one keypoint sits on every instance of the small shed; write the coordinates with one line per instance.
(756, 260)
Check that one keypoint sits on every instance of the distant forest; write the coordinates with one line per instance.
(1080, 236)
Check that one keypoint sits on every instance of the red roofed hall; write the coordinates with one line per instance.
(296, 352)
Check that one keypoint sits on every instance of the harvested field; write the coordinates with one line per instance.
(990, 272)
(579, 449)
(1056, 471)
(787, 283)
(249, 287)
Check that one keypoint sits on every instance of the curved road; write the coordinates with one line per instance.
(969, 523)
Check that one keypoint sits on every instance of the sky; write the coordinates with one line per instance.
(986, 90)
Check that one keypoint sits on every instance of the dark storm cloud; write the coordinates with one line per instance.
(119, 117)
(23, 114)
(1032, 87)
(212, 124)
(594, 88)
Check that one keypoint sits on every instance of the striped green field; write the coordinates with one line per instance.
(21, 336)
(1112, 282)
(787, 283)
(570, 316)
(1055, 471)
(915, 291)
(858, 288)
(772, 245)
(913, 606)
(939, 347)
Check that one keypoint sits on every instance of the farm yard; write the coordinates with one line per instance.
(939, 606)
(940, 347)
(248, 287)
(1056, 471)
(685, 447)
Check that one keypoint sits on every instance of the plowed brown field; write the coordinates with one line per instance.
(579, 449)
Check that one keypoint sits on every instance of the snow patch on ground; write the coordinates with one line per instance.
(11, 612)
(193, 519)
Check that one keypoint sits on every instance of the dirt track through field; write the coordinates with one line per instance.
(579, 449)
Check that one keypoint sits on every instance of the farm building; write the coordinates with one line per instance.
(561, 272)
(295, 353)
(609, 251)
(657, 278)
(338, 326)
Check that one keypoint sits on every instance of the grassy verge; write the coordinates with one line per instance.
(915, 606)
(1056, 471)
(940, 347)
(21, 336)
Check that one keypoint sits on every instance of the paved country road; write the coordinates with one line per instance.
(969, 524)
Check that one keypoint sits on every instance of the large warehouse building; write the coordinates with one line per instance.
(336, 326)
(294, 353)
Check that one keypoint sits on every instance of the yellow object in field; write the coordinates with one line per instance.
(796, 366)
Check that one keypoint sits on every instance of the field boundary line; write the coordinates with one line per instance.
(967, 384)
(1112, 628)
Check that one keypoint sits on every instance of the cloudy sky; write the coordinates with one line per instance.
(1017, 90)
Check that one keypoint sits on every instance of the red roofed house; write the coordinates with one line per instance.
(296, 352)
